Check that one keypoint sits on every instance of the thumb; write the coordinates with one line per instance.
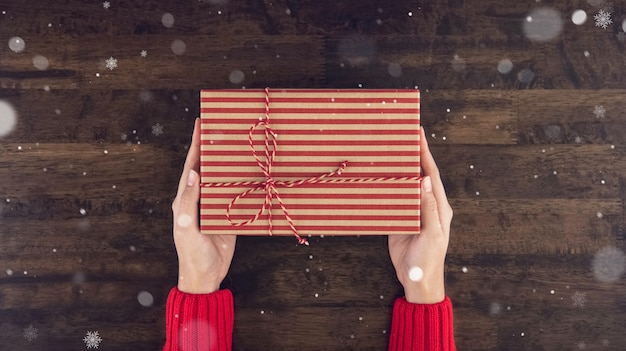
(186, 212)
(429, 213)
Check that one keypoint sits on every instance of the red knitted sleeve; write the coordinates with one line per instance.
(199, 322)
(419, 327)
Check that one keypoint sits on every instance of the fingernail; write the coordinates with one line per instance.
(191, 179)
(428, 186)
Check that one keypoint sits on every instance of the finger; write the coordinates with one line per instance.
(430, 169)
(186, 208)
(429, 211)
(193, 157)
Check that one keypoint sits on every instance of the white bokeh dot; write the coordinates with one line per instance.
(178, 47)
(41, 62)
(168, 20)
(416, 274)
(184, 220)
(145, 298)
(17, 44)
(505, 66)
(394, 70)
(608, 264)
(236, 76)
(579, 17)
(543, 24)
(8, 118)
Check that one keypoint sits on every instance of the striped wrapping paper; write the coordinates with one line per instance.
(376, 131)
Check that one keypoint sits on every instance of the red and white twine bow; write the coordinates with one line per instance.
(270, 185)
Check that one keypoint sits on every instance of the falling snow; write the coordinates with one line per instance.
(144, 53)
(603, 19)
(30, 333)
(578, 140)
(157, 129)
(579, 299)
(599, 111)
(111, 63)
(92, 339)
(106, 4)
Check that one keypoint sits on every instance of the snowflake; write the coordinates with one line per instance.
(106, 4)
(599, 111)
(111, 63)
(144, 53)
(30, 333)
(603, 19)
(157, 129)
(579, 299)
(578, 139)
(581, 345)
(92, 339)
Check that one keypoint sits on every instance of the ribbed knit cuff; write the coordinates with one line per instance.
(197, 322)
(422, 327)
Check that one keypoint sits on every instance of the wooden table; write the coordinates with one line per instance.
(529, 137)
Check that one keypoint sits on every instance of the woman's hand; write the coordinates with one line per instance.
(203, 260)
(419, 259)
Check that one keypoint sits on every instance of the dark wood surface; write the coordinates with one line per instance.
(536, 179)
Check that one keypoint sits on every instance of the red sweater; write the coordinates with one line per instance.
(205, 322)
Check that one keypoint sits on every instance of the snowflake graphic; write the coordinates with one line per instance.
(579, 299)
(157, 129)
(111, 63)
(581, 345)
(92, 339)
(30, 333)
(599, 111)
(106, 4)
(578, 139)
(603, 19)
(144, 53)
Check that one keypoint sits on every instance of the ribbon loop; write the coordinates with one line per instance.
(270, 185)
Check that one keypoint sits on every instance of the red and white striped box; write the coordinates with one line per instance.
(375, 131)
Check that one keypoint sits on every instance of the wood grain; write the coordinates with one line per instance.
(534, 173)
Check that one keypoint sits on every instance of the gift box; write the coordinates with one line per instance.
(310, 162)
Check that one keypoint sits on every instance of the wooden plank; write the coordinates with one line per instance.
(571, 116)
(535, 295)
(295, 327)
(79, 170)
(103, 116)
(76, 236)
(81, 64)
(335, 328)
(533, 171)
(454, 62)
(535, 226)
(469, 116)
(92, 295)
(66, 329)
